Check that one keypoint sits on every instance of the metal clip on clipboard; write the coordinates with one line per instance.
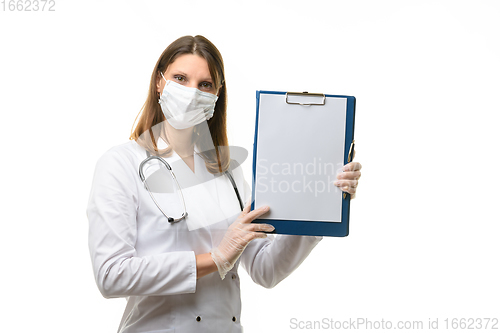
(305, 93)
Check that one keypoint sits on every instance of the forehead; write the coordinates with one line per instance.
(190, 64)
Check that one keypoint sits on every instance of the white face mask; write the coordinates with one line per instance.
(186, 107)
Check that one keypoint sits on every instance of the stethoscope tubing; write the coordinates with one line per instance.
(143, 179)
(165, 163)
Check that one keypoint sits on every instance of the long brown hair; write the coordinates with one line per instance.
(152, 115)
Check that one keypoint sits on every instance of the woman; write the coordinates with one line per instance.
(166, 269)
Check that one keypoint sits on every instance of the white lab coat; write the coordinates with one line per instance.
(137, 254)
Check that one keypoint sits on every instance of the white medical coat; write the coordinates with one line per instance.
(137, 254)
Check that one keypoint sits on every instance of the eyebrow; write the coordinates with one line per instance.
(182, 73)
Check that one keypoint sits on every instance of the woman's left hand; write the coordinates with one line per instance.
(347, 180)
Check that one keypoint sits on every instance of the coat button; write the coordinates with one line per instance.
(234, 319)
(198, 318)
(233, 277)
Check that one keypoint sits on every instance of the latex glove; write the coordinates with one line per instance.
(348, 179)
(237, 237)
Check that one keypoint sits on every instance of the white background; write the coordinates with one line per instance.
(424, 229)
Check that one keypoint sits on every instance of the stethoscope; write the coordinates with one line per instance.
(169, 168)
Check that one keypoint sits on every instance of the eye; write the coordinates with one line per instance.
(179, 78)
(206, 85)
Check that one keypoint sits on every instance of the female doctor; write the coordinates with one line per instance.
(176, 260)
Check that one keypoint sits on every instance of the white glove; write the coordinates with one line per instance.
(237, 237)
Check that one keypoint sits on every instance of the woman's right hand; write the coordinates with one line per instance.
(237, 237)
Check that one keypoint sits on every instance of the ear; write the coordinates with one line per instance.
(218, 90)
(158, 82)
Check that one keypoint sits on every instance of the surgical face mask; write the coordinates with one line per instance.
(186, 107)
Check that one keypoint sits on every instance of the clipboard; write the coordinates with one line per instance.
(302, 140)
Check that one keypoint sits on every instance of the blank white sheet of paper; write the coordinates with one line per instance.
(300, 151)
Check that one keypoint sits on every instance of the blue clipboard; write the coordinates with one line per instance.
(289, 126)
